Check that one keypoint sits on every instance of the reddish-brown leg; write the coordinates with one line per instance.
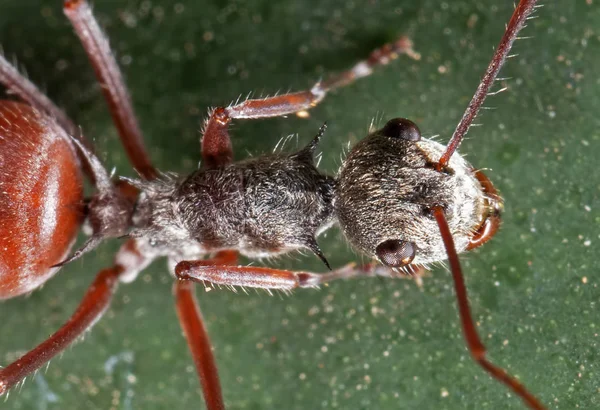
(219, 271)
(216, 145)
(198, 342)
(197, 337)
(268, 278)
(115, 92)
(207, 271)
(516, 23)
(94, 304)
(474, 344)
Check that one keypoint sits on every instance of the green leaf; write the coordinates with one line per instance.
(363, 344)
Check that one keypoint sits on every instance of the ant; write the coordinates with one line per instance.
(424, 203)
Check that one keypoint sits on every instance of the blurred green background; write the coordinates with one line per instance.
(363, 344)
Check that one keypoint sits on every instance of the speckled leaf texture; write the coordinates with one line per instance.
(362, 344)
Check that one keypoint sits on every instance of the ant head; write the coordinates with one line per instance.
(386, 188)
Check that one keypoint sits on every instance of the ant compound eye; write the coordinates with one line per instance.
(401, 128)
(396, 253)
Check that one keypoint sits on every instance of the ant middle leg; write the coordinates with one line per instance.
(216, 144)
(194, 330)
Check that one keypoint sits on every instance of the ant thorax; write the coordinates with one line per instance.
(261, 206)
(387, 186)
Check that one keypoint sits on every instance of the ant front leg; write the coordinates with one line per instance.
(216, 144)
(219, 271)
(269, 278)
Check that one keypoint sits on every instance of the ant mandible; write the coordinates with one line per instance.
(410, 187)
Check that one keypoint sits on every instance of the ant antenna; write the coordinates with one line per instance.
(474, 343)
(516, 23)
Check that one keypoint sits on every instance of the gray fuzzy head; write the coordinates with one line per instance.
(386, 188)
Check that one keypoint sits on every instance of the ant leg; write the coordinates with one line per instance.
(197, 337)
(216, 145)
(474, 344)
(198, 341)
(128, 262)
(115, 92)
(269, 278)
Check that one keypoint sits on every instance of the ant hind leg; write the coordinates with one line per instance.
(129, 261)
